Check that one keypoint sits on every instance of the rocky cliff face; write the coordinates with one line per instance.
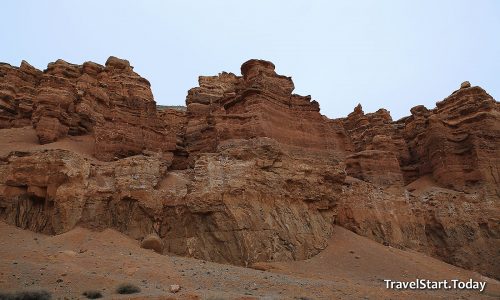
(250, 172)
(111, 102)
(258, 104)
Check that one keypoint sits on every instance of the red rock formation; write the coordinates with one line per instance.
(111, 102)
(17, 90)
(258, 104)
(250, 171)
(449, 156)
(458, 142)
(375, 166)
(379, 145)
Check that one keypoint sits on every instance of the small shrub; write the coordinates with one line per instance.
(30, 295)
(92, 294)
(128, 288)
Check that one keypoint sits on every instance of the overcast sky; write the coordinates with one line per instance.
(391, 54)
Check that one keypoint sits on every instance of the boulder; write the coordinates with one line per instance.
(153, 242)
(465, 85)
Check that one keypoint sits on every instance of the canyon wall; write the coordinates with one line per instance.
(111, 102)
(250, 172)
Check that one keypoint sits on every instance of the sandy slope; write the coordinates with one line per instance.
(68, 264)
(25, 139)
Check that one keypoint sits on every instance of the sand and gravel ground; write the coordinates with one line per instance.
(352, 267)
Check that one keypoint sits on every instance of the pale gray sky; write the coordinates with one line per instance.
(391, 54)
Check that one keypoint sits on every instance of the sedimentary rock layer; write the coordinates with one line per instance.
(250, 172)
(111, 102)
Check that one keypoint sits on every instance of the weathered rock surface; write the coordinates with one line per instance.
(250, 172)
(449, 160)
(111, 102)
(459, 142)
(17, 91)
(258, 104)
(459, 228)
(233, 206)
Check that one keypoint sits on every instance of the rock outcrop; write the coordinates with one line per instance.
(250, 172)
(258, 104)
(17, 91)
(111, 102)
(233, 206)
(439, 174)
(458, 142)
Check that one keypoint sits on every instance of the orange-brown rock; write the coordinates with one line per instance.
(258, 104)
(17, 91)
(458, 142)
(250, 172)
(375, 166)
(111, 102)
(231, 207)
(448, 158)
